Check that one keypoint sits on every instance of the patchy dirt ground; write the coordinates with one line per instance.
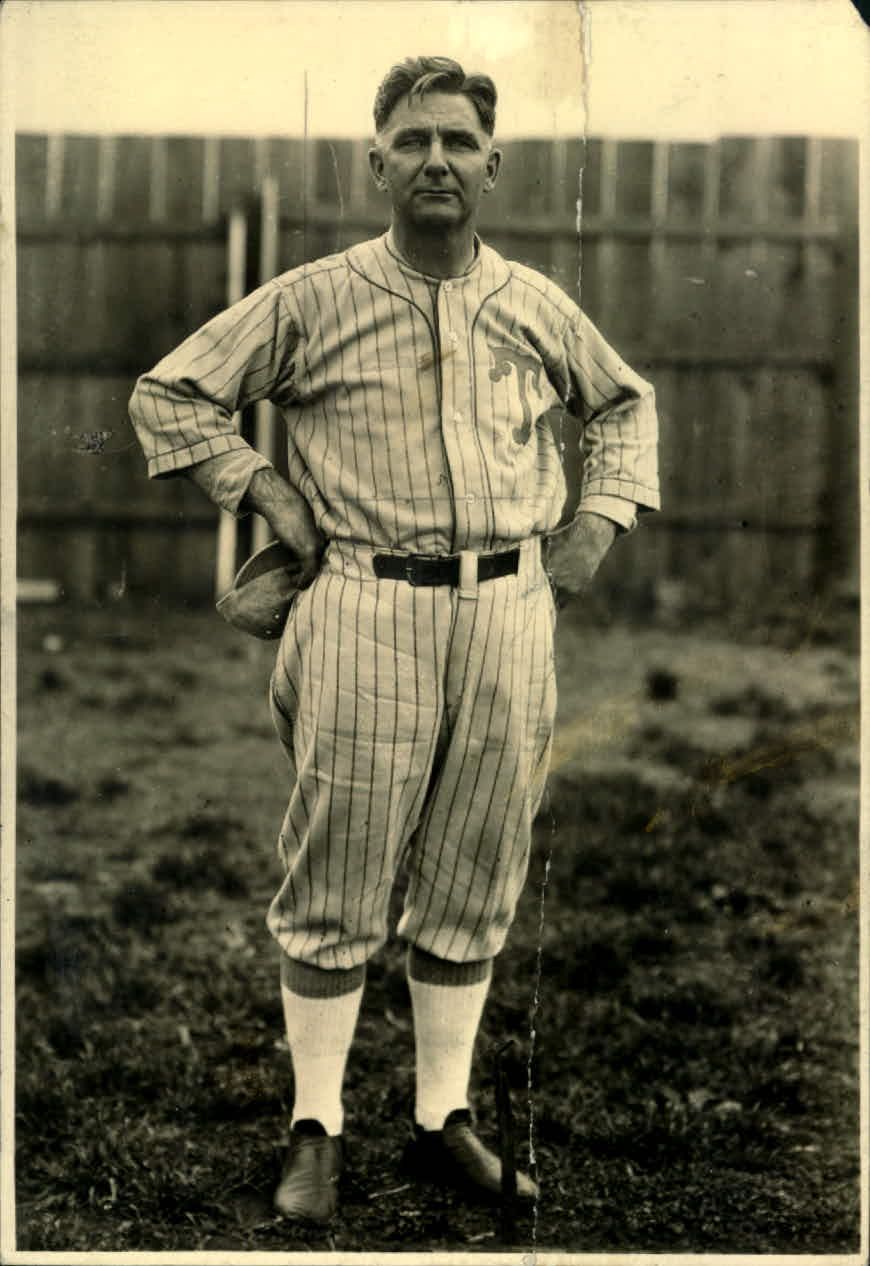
(680, 984)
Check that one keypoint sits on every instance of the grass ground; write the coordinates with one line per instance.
(680, 984)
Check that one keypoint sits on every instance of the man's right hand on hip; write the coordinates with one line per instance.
(290, 518)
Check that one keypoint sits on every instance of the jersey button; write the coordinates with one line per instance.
(448, 286)
(457, 417)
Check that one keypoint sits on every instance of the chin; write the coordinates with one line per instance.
(438, 217)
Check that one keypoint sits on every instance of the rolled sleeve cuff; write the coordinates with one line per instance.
(176, 460)
(644, 496)
(619, 510)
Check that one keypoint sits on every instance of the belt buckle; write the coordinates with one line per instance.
(410, 572)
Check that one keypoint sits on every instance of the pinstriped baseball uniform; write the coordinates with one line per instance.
(417, 720)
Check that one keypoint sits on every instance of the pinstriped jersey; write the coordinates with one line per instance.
(418, 411)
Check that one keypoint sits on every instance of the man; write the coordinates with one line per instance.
(413, 690)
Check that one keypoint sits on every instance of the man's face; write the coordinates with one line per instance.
(435, 160)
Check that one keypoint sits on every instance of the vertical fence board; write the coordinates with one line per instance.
(185, 172)
(530, 165)
(726, 408)
(65, 315)
(686, 275)
(738, 180)
(634, 177)
(287, 157)
(210, 180)
(591, 159)
(200, 290)
(55, 150)
(682, 287)
(737, 313)
(591, 282)
(837, 155)
(107, 177)
(678, 491)
(132, 191)
(30, 177)
(568, 173)
(686, 172)
(606, 254)
(672, 447)
(839, 544)
(788, 183)
(628, 295)
(80, 178)
(332, 169)
(158, 184)
(564, 263)
(237, 173)
(35, 284)
(140, 281)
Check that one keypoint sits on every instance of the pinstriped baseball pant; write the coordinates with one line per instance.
(417, 722)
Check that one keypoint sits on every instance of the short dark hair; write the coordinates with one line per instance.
(417, 75)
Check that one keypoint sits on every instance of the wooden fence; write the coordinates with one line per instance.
(726, 273)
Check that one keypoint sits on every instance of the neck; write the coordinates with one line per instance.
(439, 253)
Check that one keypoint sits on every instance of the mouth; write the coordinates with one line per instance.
(436, 193)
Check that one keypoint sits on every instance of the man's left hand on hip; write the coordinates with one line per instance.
(575, 553)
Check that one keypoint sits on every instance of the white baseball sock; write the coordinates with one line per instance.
(447, 1000)
(320, 1014)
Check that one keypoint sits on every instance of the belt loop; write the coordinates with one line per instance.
(467, 574)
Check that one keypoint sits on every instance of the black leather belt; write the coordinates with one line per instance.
(443, 569)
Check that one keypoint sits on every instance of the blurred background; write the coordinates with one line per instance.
(725, 272)
(724, 267)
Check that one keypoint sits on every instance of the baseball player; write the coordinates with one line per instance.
(414, 688)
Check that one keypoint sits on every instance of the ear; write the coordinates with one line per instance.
(493, 164)
(376, 167)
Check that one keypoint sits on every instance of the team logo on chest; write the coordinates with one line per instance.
(528, 374)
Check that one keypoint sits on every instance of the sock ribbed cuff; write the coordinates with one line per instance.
(320, 982)
(430, 970)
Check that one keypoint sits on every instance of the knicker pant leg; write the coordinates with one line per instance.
(470, 857)
(357, 702)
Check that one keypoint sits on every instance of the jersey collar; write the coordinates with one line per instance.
(390, 243)
(380, 262)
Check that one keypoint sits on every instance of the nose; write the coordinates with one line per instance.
(435, 162)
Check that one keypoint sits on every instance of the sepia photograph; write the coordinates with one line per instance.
(432, 631)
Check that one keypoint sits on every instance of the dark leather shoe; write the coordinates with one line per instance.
(308, 1190)
(454, 1156)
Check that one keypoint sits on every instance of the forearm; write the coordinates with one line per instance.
(576, 551)
(590, 531)
(287, 512)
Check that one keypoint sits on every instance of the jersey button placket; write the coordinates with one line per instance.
(454, 419)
